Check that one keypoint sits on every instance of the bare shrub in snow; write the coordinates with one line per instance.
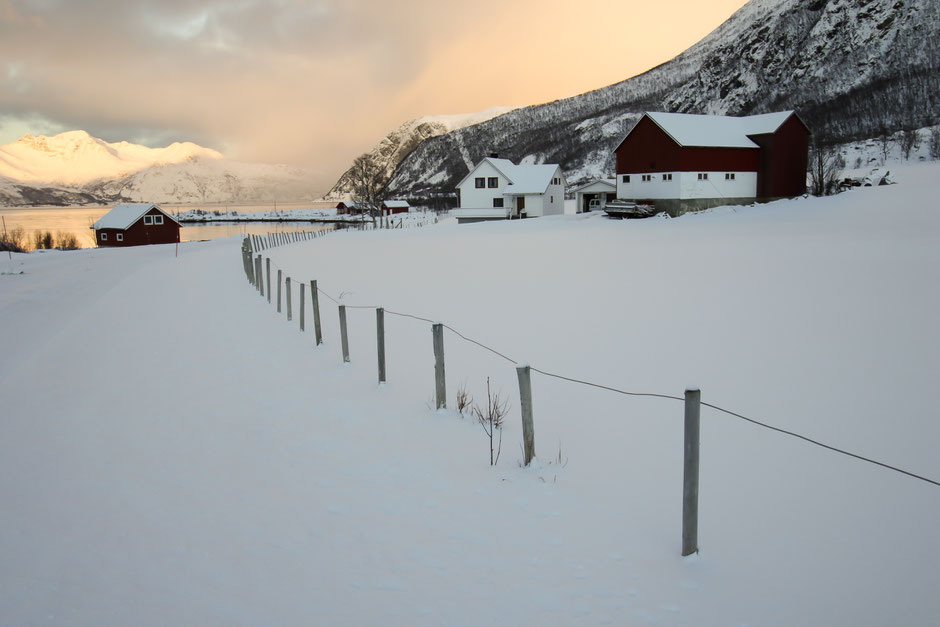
(66, 241)
(464, 400)
(13, 240)
(934, 144)
(825, 168)
(908, 141)
(492, 418)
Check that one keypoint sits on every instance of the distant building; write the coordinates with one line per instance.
(498, 189)
(348, 207)
(593, 196)
(680, 162)
(136, 224)
(391, 207)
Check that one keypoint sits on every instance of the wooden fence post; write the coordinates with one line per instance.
(528, 424)
(278, 291)
(303, 305)
(693, 402)
(258, 285)
(288, 290)
(342, 331)
(268, 263)
(440, 384)
(380, 339)
(315, 295)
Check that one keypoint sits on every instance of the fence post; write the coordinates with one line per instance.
(342, 331)
(528, 424)
(268, 263)
(278, 291)
(258, 285)
(440, 385)
(315, 295)
(380, 339)
(288, 290)
(303, 306)
(693, 401)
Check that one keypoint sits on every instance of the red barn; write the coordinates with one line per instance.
(681, 162)
(348, 207)
(391, 207)
(136, 225)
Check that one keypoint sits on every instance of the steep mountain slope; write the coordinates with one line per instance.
(853, 69)
(76, 168)
(398, 144)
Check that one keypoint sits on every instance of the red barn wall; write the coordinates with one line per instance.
(783, 160)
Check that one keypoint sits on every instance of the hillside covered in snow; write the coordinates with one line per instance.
(74, 168)
(853, 70)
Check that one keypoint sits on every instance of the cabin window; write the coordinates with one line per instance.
(729, 176)
(626, 178)
(148, 220)
(158, 219)
(647, 178)
(551, 199)
(479, 182)
(556, 181)
(492, 182)
(104, 237)
(703, 176)
(667, 177)
(119, 237)
(497, 202)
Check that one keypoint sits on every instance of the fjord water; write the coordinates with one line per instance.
(77, 220)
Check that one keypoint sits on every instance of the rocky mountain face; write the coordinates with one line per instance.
(397, 145)
(75, 168)
(852, 69)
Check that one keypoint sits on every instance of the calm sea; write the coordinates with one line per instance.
(78, 221)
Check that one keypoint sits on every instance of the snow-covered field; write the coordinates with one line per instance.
(174, 452)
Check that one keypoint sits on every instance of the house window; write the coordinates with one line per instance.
(647, 178)
(551, 199)
(497, 202)
(626, 178)
(492, 182)
(158, 219)
(119, 237)
(729, 176)
(556, 181)
(104, 237)
(148, 220)
(703, 176)
(479, 182)
(667, 177)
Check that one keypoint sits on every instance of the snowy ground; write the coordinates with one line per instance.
(173, 451)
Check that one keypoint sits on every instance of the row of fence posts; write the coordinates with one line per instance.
(253, 266)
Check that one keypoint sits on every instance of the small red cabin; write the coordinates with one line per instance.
(136, 224)
(348, 207)
(391, 207)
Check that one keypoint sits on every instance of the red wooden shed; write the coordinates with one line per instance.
(136, 224)
(391, 207)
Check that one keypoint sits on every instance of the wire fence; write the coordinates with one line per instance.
(251, 251)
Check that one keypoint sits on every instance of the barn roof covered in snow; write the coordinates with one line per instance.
(717, 130)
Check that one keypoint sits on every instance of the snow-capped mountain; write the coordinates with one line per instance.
(852, 69)
(76, 168)
(400, 143)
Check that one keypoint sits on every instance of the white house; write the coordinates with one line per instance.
(498, 189)
(594, 195)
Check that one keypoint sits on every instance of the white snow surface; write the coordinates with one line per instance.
(174, 452)
(717, 130)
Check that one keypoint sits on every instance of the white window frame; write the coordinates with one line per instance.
(729, 176)
(157, 220)
(667, 176)
(625, 179)
(104, 237)
(148, 220)
(647, 178)
(703, 176)
(119, 237)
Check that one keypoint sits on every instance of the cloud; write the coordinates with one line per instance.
(310, 83)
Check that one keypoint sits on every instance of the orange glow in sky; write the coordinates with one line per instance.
(314, 83)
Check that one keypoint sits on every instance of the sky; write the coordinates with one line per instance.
(314, 83)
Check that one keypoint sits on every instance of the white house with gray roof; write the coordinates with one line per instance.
(498, 189)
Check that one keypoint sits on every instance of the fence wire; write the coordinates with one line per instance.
(600, 386)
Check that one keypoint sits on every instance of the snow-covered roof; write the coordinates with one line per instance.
(396, 204)
(122, 216)
(523, 178)
(609, 183)
(717, 130)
